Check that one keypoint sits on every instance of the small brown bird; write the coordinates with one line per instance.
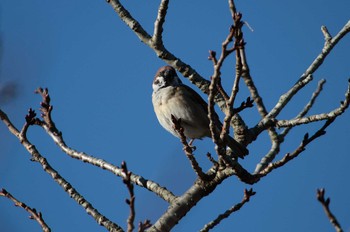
(171, 97)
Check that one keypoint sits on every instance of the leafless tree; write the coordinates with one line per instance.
(223, 165)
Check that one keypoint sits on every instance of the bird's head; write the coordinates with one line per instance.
(165, 76)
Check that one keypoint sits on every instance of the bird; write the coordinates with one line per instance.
(171, 97)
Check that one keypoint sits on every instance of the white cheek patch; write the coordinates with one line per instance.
(158, 83)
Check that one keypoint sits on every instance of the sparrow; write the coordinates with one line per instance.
(171, 97)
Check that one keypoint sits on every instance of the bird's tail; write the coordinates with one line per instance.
(237, 148)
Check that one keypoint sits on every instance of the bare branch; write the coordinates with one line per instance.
(289, 156)
(67, 187)
(158, 24)
(179, 208)
(242, 69)
(152, 186)
(215, 86)
(183, 204)
(269, 120)
(325, 204)
(275, 148)
(227, 213)
(46, 109)
(230, 112)
(232, 7)
(213, 161)
(308, 106)
(285, 98)
(130, 21)
(307, 76)
(49, 126)
(131, 201)
(158, 47)
(37, 216)
(143, 226)
(189, 150)
(326, 34)
(318, 117)
(269, 157)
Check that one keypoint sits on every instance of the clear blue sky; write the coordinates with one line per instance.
(99, 75)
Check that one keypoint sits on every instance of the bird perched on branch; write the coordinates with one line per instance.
(171, 97)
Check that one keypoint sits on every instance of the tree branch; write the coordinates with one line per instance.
(243, 70)
(183, 204)
(307, 75)
(289, 156)
(227, 213)
(158, 24)
(132, 23)
(318, 117)
(158, 47)
(143, 226)
(48, 125)
(189, 150)
(307, 107)
(131, 201)
(325, 204)
(179, 208)
(267, 121)
(270, 156)
(37, 216)
(67, 187)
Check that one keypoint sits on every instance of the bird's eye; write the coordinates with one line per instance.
(156, 82)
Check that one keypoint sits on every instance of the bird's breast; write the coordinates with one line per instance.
(176, 101)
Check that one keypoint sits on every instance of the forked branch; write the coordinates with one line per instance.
(189, 150)
(49, 126)
(67, 187)
(131, 200)
(325, 204)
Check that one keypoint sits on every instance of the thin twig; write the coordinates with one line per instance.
(158, 24)
(269, 120)
(188, 150)
(289, 156)
(242, 70)
(230, 100)
(220, 139)
(158, 47)
(37, 216)
(325, 204)
(131, 200)
(270, 156)
(49, 126)
(46, 110)
(232, 7)
(213, 161)
(227, 213)
(326, 34)
(215, 85)
(187, 201)
(143, 226)
(130, 21)
(318, 117)
(67, 187)
(307, 107)
(307, 75)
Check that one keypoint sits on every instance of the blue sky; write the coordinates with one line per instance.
(99, 76)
